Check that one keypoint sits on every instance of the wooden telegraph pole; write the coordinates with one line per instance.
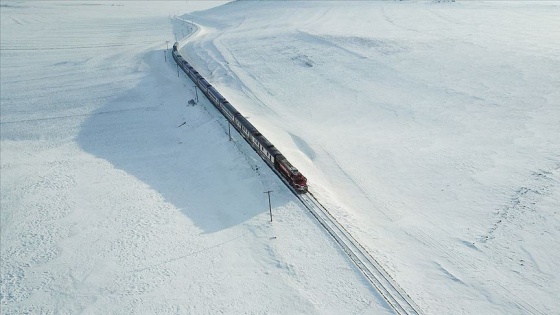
(269, 205)
(196, 93)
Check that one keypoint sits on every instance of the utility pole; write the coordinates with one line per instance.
(165, 52)
(269, 205)
(177, 70)
(229, 130)
(196, 93)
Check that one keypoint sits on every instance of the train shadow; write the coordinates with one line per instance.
(180, 151)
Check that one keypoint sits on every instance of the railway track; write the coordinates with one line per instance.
(382, 282)
(395, 296)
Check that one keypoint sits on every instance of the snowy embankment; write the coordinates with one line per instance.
(117, 197)
(430, 129)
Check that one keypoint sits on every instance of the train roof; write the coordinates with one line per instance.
(230, 108)
(203, 81)
(217, 94)
(247, 124)
(282, 159)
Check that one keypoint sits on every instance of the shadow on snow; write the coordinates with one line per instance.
(181, 151)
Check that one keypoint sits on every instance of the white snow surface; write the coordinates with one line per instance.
(109, 207)
(430, 130)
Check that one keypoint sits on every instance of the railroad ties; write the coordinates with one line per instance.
(383, 283)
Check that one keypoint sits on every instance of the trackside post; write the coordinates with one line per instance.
(269, 205)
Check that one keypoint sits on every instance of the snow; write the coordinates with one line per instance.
(108, 207)
(430, 130)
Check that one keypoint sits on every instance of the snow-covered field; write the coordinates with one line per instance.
(108, 207)
(429, 129)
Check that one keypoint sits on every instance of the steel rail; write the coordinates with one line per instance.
(383, 283)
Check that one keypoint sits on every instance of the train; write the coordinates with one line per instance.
(266, 150)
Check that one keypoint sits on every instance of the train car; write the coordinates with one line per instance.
(230, 110)
(215, 96)
(267, 148)
(204, 85)
(250, 133)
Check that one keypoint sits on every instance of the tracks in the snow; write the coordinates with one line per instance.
(395, 296)
(387, 287)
